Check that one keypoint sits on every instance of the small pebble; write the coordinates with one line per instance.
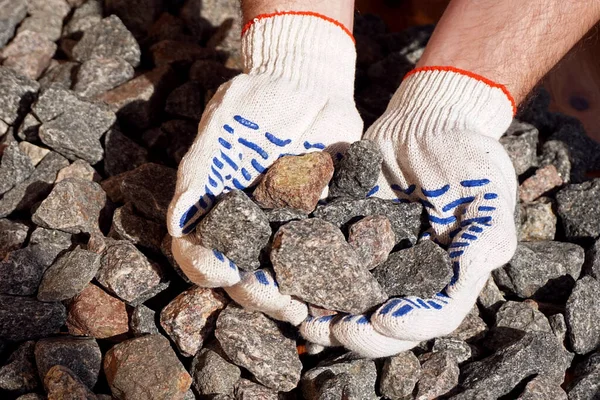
(190, 318)
(146, 368)
(581, 311)
(35, 153)
(538, 221)
(422, 270)
(79, 169)
(457, 348)
(95, 313)
(313, 261)
(295, 182)
(73, 206)
(439, 375)
(143, 321)
(253, 341)
(213, 375)
(559, 326)
(126, 272)
(545, 179)
(358, 170)
(236, 227)
(399, 376)
(373, 239)
(12, 236)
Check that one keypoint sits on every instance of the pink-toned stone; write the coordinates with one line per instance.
(146, 368)
(544, 179)
(79, 169)
(96, 313)
(295, 182)
(28, 54)
(373, 239)
(191, 316)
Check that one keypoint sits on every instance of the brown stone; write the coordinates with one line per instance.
(62, 384)
(373, 239)
(146, 368)
(96, 313)
(28, 54)
(545, 179)
(190, 318)
(295, 182)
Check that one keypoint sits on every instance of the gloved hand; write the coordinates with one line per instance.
(439, 138)
(295, 96)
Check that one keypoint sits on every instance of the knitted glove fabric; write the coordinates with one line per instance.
(295, 96)
(439, 138)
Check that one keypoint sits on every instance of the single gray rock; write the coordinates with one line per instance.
(556, 153)
(29, 128)
(581, 314)
(591, 266)
(399, 376)
(340, 378)
(17, 92)
(313, 261)
(491, 298)
(69, 275)
(513, 321)
(586, 379)
(150, 187)
(237, 228)
(22, 270)
(122, 153)
(126, 272)
(72, 138)
(248, 390)
(535, 353)
(52, 242)
(457, 348)
(559, 326)
(11, 14)
(405, 217)
(212, 374)
(127, 225)
(12, 236)
(79, 354)
(99, 75)
(261, 347)
(84, 17)
(74, 206)
(520, 142)
(439, 375)
(109, 38)
(537, 221)
(186, 101)
(543, 270)
(15, 167)
(422, 270)
(579, 209)
(143, 321)
(24, 318)
(35, 188)
(357, 172)
(542, 388)
(57, 101)
(373, 238)
(19, 373)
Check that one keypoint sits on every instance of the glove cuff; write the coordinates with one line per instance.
(442, 98)
(309, 49)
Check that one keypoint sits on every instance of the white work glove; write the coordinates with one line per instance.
(295, 96)
(439, 138)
